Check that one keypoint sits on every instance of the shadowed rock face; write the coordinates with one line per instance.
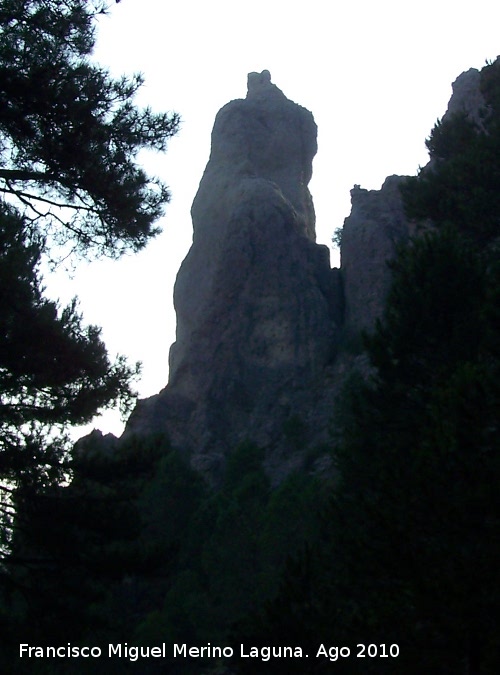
(371, 233)
(256, 301)
(252, 201)
(467, 97)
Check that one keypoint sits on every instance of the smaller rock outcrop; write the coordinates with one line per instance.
(376, 225)
(467, 96)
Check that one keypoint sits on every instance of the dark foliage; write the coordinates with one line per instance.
(70, 134)
(69, 139)
(231, 547)
(53, 371)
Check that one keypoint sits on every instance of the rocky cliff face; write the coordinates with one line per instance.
(262, 320)
(467, 96)
(376, 225)
(258, 307)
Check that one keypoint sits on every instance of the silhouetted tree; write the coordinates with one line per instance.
(70, 133)
(82, 563)
(54, 372)
(69, 177)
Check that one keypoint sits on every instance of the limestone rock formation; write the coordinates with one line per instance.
(262, 320)
(257, 303)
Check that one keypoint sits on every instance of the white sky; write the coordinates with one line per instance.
(376, 76)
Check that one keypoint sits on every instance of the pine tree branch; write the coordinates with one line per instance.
(25, 174)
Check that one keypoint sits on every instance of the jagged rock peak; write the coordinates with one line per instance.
(262, 137)
(259, 85)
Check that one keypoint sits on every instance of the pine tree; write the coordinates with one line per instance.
(70, 133)
(69, 183)
(54, 372)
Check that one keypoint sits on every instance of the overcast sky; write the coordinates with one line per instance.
(375, 75)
